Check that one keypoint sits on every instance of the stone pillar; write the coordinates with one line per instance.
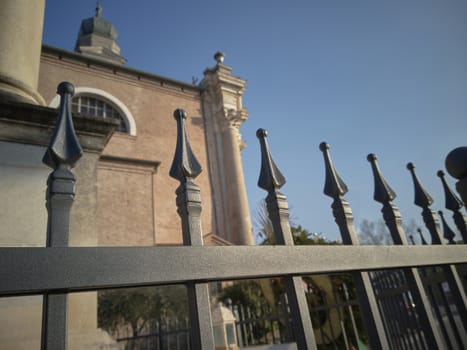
(21, 24)
(224, 113)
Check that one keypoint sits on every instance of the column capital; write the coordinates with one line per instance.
(236, 117)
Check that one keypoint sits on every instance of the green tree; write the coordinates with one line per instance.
(377, 233)
(136, 308)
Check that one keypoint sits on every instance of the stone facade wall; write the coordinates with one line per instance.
(136, 200)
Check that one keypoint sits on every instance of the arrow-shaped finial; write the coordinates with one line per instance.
(270, 177)
(334, 186)
(383, 192)
(422, 198)
(184, 163)
(452, 203)
(64, 147)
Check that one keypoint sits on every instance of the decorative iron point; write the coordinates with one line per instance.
(61, 155)
(334, 186)
(270, 177)
(64, 148)
(271, 180)
(422, 198)
(453, 203)
(383, 192)
(184, 163)
(448, 233)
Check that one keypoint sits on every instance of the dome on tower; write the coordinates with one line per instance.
(97, 38)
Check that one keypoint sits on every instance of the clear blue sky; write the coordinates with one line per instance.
(385, 77)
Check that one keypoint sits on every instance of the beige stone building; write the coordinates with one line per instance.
(135, 194)
(123, 118)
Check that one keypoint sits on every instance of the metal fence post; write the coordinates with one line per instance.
(336, 188)
(62, 153)
(272, 180)
(384, 194)
(424, 200)
(185, 168)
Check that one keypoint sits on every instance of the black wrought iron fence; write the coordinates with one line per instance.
(57, 270)
(334, 312)
(163, 335)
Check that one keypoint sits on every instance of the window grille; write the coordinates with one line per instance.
(96, 107)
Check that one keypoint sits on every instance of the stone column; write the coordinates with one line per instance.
(224, 113)
(21, 24)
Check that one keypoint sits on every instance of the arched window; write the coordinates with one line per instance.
(90, 105)
(96, 102)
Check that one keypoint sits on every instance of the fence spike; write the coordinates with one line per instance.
(61, 155)
(185, 168)
(422, 198)
(334, 186)
(64, 148)
(448, 232)
(184, 163)
(392, 217)
(271, 180)
(383, 192)
(454, 204)
(270, 177)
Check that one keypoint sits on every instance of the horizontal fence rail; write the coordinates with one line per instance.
(429, 279)
(36, 270)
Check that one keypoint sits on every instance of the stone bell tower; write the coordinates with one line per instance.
(224, 114)
(97, 38)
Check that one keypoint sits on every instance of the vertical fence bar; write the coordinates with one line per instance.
(185, 168)
(448, 233)
(454, 204)
(336, 188)
(272, 180)
(385, 195)
(62, 153)
(424, 200)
